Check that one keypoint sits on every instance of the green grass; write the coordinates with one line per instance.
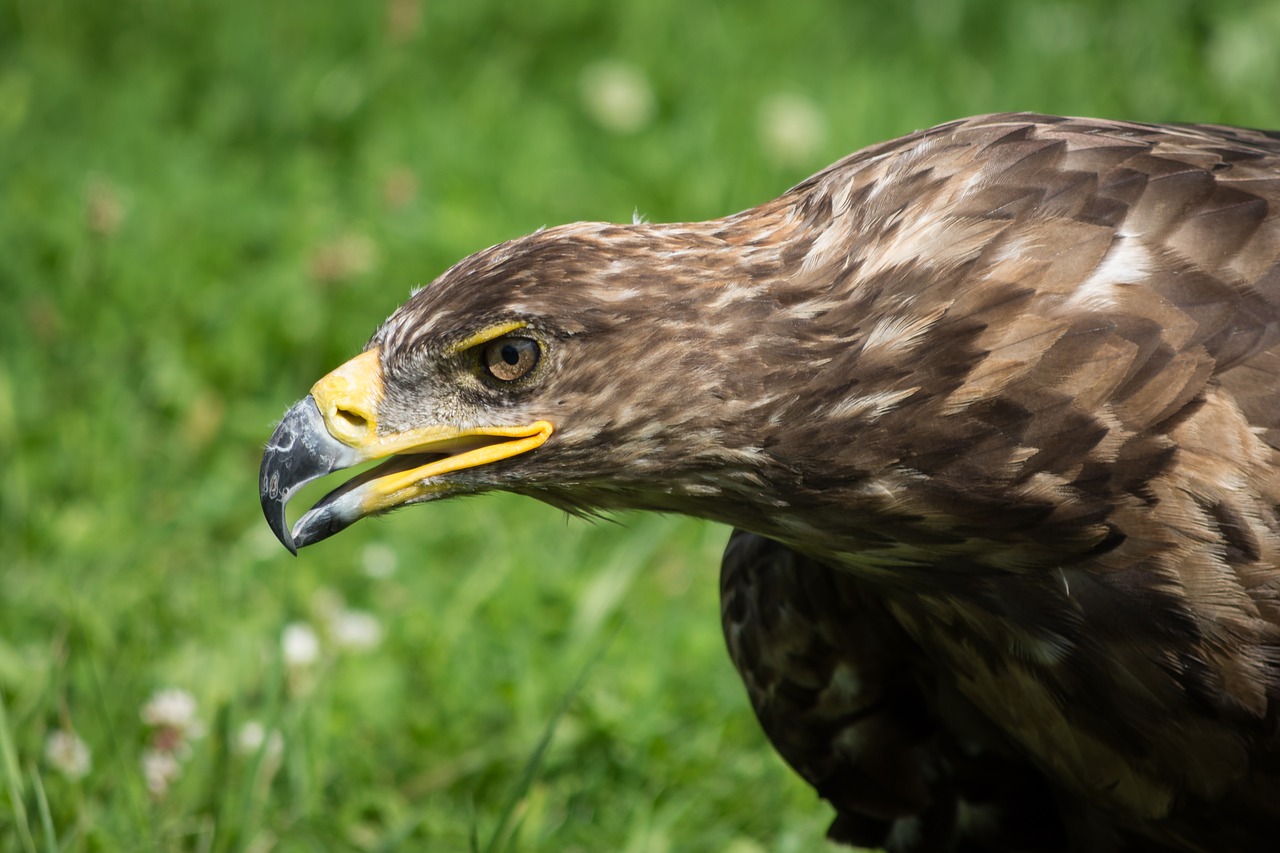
(205, 206)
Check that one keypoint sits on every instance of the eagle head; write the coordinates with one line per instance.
(592, 366)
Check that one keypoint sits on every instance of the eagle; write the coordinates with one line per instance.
(994, 412)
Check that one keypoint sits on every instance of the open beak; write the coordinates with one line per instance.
(336, 427)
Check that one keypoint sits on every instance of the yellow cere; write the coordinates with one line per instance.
(348, 399)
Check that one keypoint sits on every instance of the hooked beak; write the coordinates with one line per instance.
(336, 427)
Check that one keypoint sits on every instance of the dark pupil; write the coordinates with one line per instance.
(510, 354)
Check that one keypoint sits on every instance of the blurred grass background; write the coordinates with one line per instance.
(205, 206)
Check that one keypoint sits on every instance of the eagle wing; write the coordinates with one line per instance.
(851, 703)
(1087, 482)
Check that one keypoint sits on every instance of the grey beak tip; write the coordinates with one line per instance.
(299, 451)
(274, 501)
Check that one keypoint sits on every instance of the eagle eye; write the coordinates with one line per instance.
(508, 359)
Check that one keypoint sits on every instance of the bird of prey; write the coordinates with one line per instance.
(995, 411)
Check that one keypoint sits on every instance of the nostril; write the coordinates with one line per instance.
(351, 420)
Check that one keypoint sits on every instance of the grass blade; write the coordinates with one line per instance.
(46, 817)
(13, 778)
(504, 832)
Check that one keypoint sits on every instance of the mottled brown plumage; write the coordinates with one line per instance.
(995, 409)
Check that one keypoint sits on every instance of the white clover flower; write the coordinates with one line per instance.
(300, 645)
(617, 95)
(355, 630)
(173, 708)
(160, 769)
(379, 561)
(68, 753)
(792, 129)
(253, 734)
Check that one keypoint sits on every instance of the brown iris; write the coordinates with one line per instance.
(509, 359)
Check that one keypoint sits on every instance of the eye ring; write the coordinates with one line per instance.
(510, 358)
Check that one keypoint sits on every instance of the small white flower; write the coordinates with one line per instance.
(172, 708)
(65, 751)
(300, 644)
(379, 561)
(792, 129)
(253, 734)
(355, 630)
(617, 95)
(160, 768)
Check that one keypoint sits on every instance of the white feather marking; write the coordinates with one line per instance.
(1018, 248)
(609, 294)
(871, 406)
(927, 236)
(900, 333)
(739, 293)
(1128, 261)
(831, 244)
(840, 199)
